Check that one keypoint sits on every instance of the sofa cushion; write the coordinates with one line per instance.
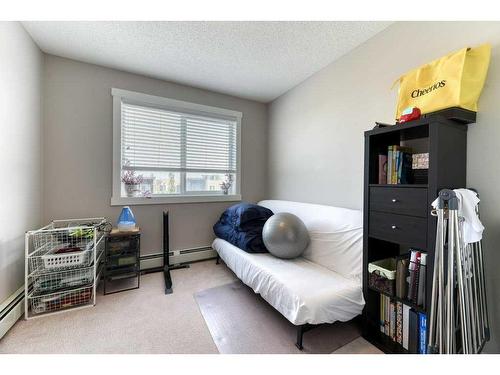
(336, 235)
(302, 291)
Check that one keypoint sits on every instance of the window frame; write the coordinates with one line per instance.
(174, 105)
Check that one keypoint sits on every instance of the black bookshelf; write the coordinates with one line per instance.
(398, 217)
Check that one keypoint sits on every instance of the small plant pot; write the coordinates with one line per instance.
(132, 190)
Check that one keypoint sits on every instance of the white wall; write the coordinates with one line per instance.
(78, 151)
(20, 150)
(316, 129)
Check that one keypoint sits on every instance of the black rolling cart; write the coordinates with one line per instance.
(122, 261)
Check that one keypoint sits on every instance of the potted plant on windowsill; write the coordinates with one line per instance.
(227, 183)
(131, 182)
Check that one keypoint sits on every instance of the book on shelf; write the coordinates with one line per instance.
(413, 271)
(413, 328)
(399, 165)
(389, 165)
(392, 320)
(422, 331)
(394, 172)
(406, 174)
(387, 318)
(403, 325)
(421, 280)
(410, 282)
(399, 322)
(406, 325)
(382, 169)
(382, 313)
(401, 267)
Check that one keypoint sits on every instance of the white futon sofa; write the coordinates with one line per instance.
(321, 286)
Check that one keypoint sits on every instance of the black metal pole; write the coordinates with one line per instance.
(166, 251)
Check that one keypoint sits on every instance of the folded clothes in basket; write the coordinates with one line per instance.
(69, 249)
(65, 257)
(61, 300)
(63, 279)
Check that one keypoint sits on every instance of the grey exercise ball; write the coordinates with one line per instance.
(285, 235)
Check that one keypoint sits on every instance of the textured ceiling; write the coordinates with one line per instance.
(254, 60)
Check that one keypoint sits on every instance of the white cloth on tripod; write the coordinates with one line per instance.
(467, 203)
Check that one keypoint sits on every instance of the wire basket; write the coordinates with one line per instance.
(65, 244)
(76, 257)
(54, 281)
(72, 232)
(61, 300)
(382, 275)
(61, 265)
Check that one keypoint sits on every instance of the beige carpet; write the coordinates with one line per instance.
(144, 320)
(241, 322)
(138, 321)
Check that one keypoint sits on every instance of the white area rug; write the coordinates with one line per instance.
(241, 322)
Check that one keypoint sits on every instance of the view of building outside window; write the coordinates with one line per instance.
(164, 183)
(154, 183)
(203, 181)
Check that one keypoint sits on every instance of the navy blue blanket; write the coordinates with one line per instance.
(241, 225)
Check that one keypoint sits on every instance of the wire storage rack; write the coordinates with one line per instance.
(62, 265)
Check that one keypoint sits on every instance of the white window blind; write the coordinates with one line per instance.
(166, 140)
(210, 144)
(151, 138)
(171, 151)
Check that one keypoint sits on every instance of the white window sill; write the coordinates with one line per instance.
(125, 201)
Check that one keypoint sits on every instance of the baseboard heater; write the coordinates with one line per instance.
(178, 257)
(11, 310)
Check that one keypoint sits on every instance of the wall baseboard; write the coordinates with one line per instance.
(11, 310)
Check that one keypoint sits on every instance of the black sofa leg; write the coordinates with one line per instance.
(300, 335)
(217, 261)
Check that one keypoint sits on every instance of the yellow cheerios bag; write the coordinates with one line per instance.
(455, 80)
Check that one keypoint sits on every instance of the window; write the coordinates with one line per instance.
(168, 151)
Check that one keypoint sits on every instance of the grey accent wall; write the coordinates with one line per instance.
(20, 149)
(316, 129)
(78, 151)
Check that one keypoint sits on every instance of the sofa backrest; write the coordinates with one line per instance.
(336, 235)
